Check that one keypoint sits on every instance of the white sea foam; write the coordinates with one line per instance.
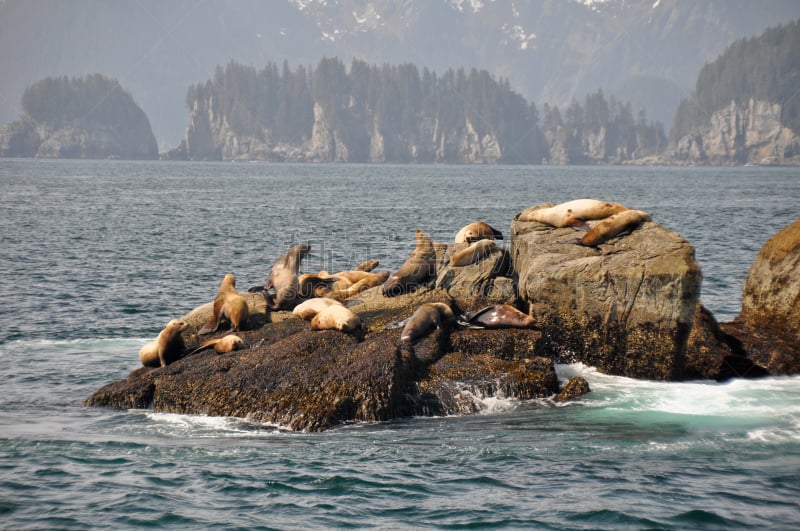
(205, 426)
(760, 407)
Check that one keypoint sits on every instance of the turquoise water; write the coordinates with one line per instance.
(96, 256)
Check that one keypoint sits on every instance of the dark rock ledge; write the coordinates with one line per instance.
(629, 307)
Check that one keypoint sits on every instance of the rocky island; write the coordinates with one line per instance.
(87, 118)
(628, 306)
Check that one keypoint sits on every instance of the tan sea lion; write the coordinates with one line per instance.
(311, 307)
(367, 282)
(496, 317)
(167, 348)
(417, 268)
(613, 226)
(573, 213)
(283, 279)
(475, 252)
(478, 230)
(426, 319)
(222, 345)
(228, 304)
(335, 317)
(369, 265)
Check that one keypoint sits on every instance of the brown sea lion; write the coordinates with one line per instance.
(283, 279)
(311, 285)
(311, 307)
(418, 268)
(478, 230)
(335, 317)
(222, 345)
(167, 348)
(614, 225)
(426, 319)
(573, 213)
(475, 252)
(496, 317)
(228, 304)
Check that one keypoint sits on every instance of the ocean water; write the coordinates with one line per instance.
(96, 256)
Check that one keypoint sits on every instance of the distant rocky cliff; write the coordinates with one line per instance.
(740, 134)
(26, 138)
(210, 136)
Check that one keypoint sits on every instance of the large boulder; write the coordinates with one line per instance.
(769, 323)
(625, 307)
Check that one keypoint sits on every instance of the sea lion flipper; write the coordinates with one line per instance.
(256, 289)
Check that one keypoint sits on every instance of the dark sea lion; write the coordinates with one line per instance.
(613, 226)
(478, 230)
(427, 318)
(283, 280)
(418, 267)
(311, 285)
(228, 304)
(167, 348)
(474, 252)
(573, 213)
(335, 317)
(497, 317)
(222, 345)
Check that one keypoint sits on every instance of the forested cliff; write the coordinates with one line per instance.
(394, 113)
(745, 108)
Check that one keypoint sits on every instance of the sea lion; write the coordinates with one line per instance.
(573, 213)
(335, 317)
(426, 319)
(283, 279)
(168, 347)
(475, 252)
(367, 282)
(369, 265)
(418, 267)
(222, 345)
(229, 304)
(496, 317)
(311, 307)
(613, 226)
(478, 230)
(311, 285)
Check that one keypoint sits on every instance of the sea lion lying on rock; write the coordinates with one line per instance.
(308, 309)
(335, 317)
(478, 230)
(475, 252)
(427, 318)
(222, 345)
(613, 226)
(572, 213)
(496, 317)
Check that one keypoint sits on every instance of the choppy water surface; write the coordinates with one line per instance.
(97, 256)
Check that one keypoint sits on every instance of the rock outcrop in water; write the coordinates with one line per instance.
(768, 327)
(625, 307)
(629, 306)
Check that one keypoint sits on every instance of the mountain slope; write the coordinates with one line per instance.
(550, 50)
